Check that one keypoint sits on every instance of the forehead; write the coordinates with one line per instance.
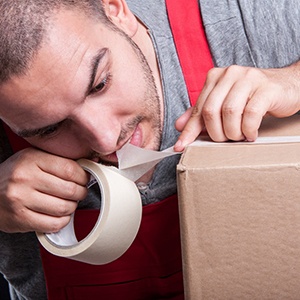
(72, 39)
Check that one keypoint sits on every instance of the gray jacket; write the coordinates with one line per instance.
(263, 34)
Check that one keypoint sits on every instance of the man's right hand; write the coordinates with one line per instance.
(39, 191)
(235, 99)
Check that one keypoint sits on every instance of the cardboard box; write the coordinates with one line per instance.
(240, 217)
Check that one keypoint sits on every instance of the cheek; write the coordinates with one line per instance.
(128, 99)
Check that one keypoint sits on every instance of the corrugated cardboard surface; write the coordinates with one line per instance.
(240, 218)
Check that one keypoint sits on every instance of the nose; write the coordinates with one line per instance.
(99, 130)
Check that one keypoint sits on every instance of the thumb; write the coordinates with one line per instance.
(183, 119)
(190, 124)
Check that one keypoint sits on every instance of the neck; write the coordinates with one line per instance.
(144, 41)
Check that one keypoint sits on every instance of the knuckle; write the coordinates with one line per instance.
(19, 175)
(63, 209)
(26, 155)
(195, 112)
(252, 75)
(56, 225)
(212, 73)
(71, 190)
(13, 195)
(255, 75)
(84, 193)
(251, 110)
(208, 113)
(248, 73)
(229, 110)
(69, 170)
(233, 70)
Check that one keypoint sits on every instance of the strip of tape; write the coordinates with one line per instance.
(206, 141)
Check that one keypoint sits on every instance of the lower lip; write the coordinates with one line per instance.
(112, 158)
(136, 138)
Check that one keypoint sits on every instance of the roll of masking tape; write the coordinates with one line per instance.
(116, 227)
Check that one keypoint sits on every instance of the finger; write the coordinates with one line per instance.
(183, 119)
(52, 224)
(64, 168)
(233, 109)
(212, 108)
(195, 125)
(253, 114)
(212, 116)
(24, 220)
(50, 205)
(42, 223)
(26, 197)
(55, 186)
(222, 112)
(191, 130)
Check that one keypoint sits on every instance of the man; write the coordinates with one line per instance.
(77, 84)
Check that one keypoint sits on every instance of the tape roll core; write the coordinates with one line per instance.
(117, 224)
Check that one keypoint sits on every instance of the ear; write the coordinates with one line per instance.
(119, 13)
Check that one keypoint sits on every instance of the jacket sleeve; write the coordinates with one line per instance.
(262, 34)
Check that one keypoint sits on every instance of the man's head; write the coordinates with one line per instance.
(23, 26)
(74, 81)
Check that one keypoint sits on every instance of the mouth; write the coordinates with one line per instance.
(135, 139)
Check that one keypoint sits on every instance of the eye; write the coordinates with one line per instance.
(49, 131)
(102, 85)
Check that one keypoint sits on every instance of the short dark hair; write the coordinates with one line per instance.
(23, 26)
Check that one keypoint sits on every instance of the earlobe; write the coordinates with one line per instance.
(119, 13)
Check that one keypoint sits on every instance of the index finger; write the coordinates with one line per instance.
(192, 129)
(64, 168)
(195, 124)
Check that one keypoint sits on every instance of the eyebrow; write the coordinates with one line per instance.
(27, 133)
(96, 60)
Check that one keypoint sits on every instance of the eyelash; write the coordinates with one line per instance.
(50, 131)
(102, 85)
